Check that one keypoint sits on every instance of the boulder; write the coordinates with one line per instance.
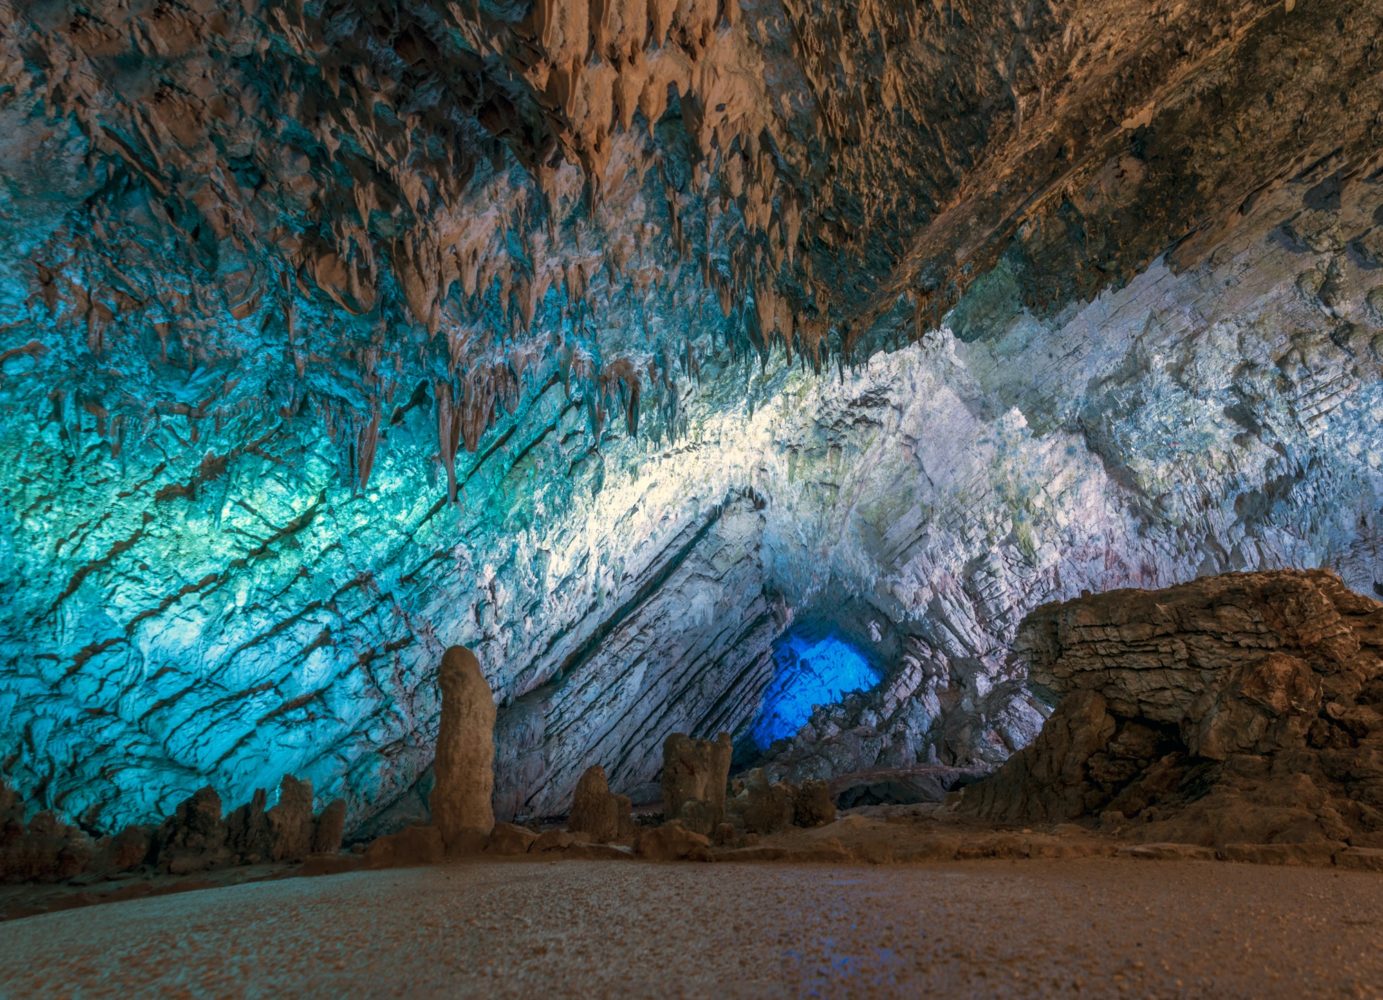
(763, 807)
(194, 837)
(673, 842)
(813, 804)
(47, 850)
(508, 838)
(465, 767)
(695, 776)
(127, 850)
(553, 840)
(413, 845)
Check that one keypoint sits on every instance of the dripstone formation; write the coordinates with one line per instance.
(464, 771)
(612, 341)
(1239, 709)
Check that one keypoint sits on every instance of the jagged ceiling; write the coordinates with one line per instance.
(281, 280)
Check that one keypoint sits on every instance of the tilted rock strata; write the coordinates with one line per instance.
(227, 549)
(1237, 708)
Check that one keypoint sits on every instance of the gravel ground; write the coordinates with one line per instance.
(595, 929)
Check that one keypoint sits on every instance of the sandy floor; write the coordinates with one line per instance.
(593, 929)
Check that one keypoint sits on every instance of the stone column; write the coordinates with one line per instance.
(465, 769)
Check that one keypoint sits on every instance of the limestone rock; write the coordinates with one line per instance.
(329, 828)
(507, 838)
(461, 804)
(597, 812)
(413, 845)
(1242, 711)
(44, 850)
(696, 774)
(247, 830)
(553, 840)
(126, 850)
(290, 821)
(194, 837)
(763, 807)
(813, 805)
(673, 842)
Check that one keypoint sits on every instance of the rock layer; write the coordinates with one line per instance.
(1244, 707)
(337, 335)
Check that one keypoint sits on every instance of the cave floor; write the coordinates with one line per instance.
(602, 928)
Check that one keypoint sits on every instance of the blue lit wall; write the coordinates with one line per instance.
(809, 672)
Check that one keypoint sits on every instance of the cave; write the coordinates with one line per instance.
(696, 497)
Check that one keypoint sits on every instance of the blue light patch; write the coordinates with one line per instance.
(809, 672)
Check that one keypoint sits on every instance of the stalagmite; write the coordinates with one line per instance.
(464, 771)
(695, 777)
(596, 811)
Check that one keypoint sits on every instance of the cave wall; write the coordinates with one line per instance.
(337, 333)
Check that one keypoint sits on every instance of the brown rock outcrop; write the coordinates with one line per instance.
(194, 837)
(813, 804)
(695, 776)
(597, 812)
(465, 769)
(290, 821)
(247, 829)
(330, 828)
(43, 850)
(1244, 709)
(413, 845)
(761, 806)
(509, 838)
(673, 842)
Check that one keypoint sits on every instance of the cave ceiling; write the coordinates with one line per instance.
(335, 332)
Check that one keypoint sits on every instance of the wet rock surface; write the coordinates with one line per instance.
(1242, 712)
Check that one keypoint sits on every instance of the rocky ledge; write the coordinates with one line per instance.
(1244, 709)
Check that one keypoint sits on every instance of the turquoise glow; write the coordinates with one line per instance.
(809, 673)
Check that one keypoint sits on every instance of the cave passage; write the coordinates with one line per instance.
(808, 672)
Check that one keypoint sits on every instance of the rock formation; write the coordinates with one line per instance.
(195, 838)
(761, 807)
(508, 838)
(672, 841)
(597, 812)
(464, 772)
(813, 804)
(696, 774)
(1243, 708)
(41, 850)
(329, 828)
(290, 821)
(610, 347)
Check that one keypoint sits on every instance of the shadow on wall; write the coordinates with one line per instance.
(809, 670)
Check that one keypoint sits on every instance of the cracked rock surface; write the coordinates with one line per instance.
(1240, 708)
(611, 340)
